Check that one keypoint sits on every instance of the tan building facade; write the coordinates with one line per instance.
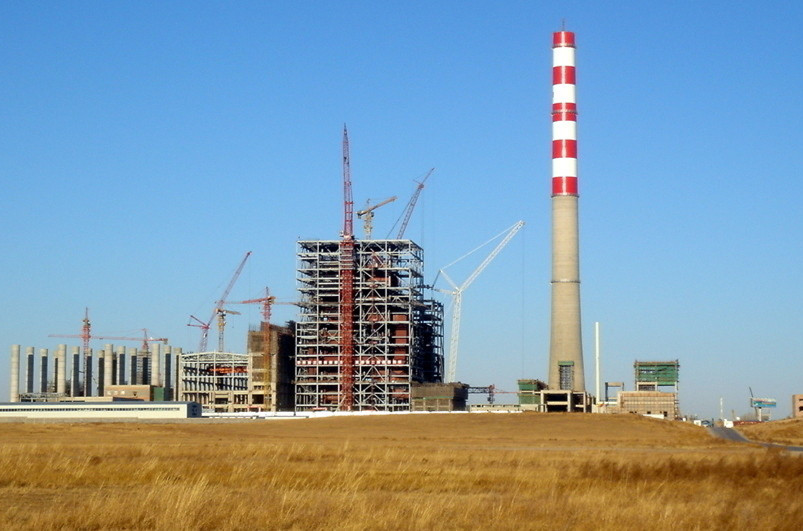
(797, 406)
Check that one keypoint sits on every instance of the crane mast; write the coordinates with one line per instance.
(205, 325)
(457, 294)
(346, 325)
(86, 336)
(367, 216)
(408, 211)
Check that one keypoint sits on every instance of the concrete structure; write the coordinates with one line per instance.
(100, 410)
(272, 349)
(797, 406)
(653, 403)
(566, 370)
(43, 370)
(227, 382)
(75, 387)
(561, 400)
(397, 333)
(108, 369)
(219, 381)
(156, 365)
(111, 369)
(145, 393)
(530, 392)
(439, 397)
(29, 369)
(648, 398)
(14, 387)
(61, 370)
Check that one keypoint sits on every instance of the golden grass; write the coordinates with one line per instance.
(525, 471)
(789, 431)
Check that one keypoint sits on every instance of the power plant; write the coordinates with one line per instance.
(369, 334)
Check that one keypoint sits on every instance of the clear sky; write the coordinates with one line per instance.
(146, 146)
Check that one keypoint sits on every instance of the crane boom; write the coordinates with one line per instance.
(367, 215)
(408, 211)
(86, 335)
(457, 295)
(205, 325)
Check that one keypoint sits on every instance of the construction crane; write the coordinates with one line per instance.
(205, 325)
(408, 210)
(267, 302)
(86, 335)
(221, 325)
(346, 325)
(367, 216)
(457, 292)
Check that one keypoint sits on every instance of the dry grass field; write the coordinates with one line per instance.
(789, 432)
(479, 471)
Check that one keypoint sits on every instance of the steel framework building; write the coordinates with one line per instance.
(397, 334)
(219, 381)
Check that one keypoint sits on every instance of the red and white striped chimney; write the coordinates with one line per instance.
(566, 370)
(564, 115)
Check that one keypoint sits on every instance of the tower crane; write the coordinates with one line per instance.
(367, 216)
(86, 335)
(205, 325)
(266, 302)
(346, 325)
(457, 292)
(221, 325)
(408, 210)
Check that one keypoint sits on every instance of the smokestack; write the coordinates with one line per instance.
(565, 349)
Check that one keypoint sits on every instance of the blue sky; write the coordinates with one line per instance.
(146, 146)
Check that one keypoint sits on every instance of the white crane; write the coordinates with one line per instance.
(457, 292)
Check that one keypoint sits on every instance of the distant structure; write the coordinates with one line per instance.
(110, 410)
(366, 332)
(797, 406)
(565, 352)
(74, 377)
(398, 333)
(230, 382)
(649, 398)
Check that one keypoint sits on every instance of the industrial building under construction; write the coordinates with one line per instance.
(396, 333)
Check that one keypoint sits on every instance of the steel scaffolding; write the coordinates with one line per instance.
(397, 333)
(219, 381)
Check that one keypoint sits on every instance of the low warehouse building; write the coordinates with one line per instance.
(100, 410)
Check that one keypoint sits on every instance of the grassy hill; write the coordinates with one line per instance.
(789, 431)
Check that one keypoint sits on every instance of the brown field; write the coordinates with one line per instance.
(479, 471)
(789, 432)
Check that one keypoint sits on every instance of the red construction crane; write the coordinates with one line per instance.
(346, 327)
(205, 325)
(86, 335)
(267, 302)
(408, 210)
